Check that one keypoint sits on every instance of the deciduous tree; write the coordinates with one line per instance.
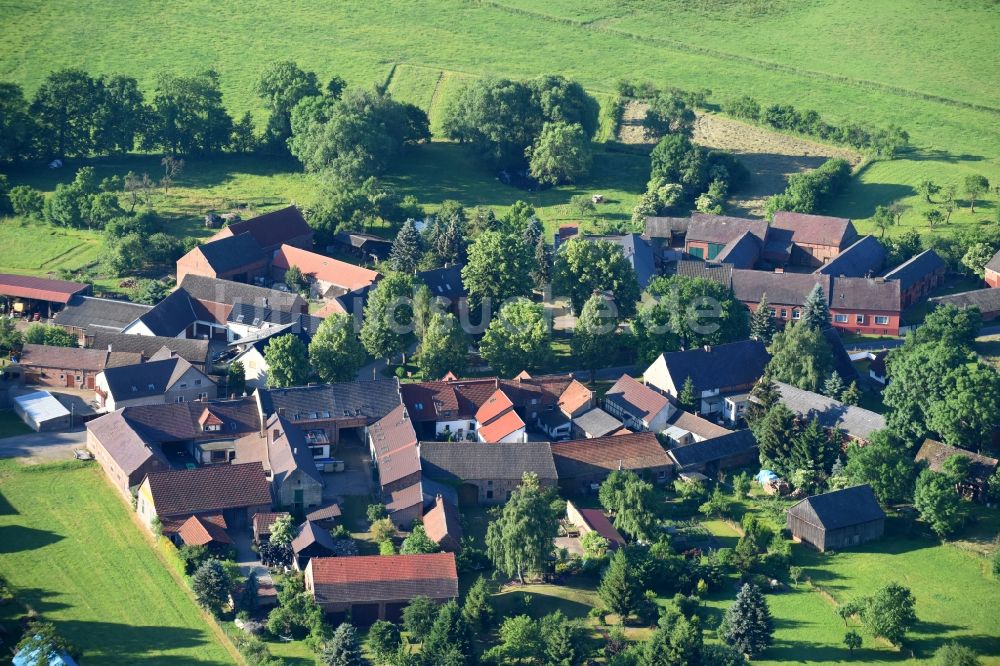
(583, 267)
(889, 613)
(800, 356)
(443, 348)
(499, 267)
(560, 154)
(519, 338)
(287, 361)
(520, 538)
(388, 320)
(335, 351)
(938, 503)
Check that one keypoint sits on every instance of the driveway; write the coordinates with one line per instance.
(39, 447)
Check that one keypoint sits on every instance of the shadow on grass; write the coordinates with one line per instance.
(925, 646)
(18, 538)
(6, 508)
(108, 642)
(860, 199)
(801, 652)
(937, 155)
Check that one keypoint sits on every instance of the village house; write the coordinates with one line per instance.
(367, 588)
(34, 297)
(446, 283)
(486, 473)
(288, 460)
(870, 306)
(637, 406)
(666, 236)
(87, 316)
(286, 226)
(711, 456)
(722, 375)
(327, 277)
(877, 369)
(918, 277)
(498, 422)
(838, 519)
(195, 352)
(575, 401)
(709, 235)
(442, 525)
(685, 428)
(392, 442)
(854, 423)
(70, 367)
(250, 351)
(987, 301)
(238, 258)
(594, 520)
(311, 541)
(992, 271)
(975, 485)
(206, 530)
(786, 292)
(164, 378)
(815, 239)
(583, 464)
(863, 258)
(231, 494)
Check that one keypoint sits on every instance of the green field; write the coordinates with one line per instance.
(899, 61)
(72, 554)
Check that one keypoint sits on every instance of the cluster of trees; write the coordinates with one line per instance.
(544, 124)
(881, 142)
(73, 114)
(807, 191)
(975, 186)
(333, 355)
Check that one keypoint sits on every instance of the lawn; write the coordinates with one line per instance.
(988, 348)
(11, 424)
(71, 552)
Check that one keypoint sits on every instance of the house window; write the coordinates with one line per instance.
(784, 313)
(184, 385)
(489, 483)
(881, 320)
(774, 312)
(197, 382)
(203, 396)
(840, 319)
(419, 406)
(489, 494)
(179, 398)
(796, 314)
(859, 319)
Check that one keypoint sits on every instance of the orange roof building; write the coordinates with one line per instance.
(328, 273)
(498, 422)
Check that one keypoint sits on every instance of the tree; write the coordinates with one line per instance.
(376, 512)
(541, 273)
(64, 108)
(889, 613)
(563, 100)
(562, 641)
(937, 502)
(747, 625)
(851, 395)
(26, 201)
(977, 256)
(742, 483)
(382, 529)
(520, 538)
(287, 361)
(150, 292)
(418, 617)
(40, 644)
(883, 219)
(595, 333)
(618, 589)
(520, 642)
(406, 250)
(449, 635)
(384, 640)
(17, 126)
(418, 542)
(211, 585)
(583, 267)
(10, 337)
(934, 217)
(885, 464)
(499, 267)
(236, 379)
(719, 504)
(975, 186)
(594, 545)
(50, 335)
(560, 154)
(762, 322)
(955, 654)
(172, 167)
(696, 310)
(294, 279)
(388, 316)
(816, 311)
(687, 398)
(956, 327)
(852, 640)
(668, 114)
(928, 188)
(187, 115)
(631, 500)
(282, 85)
(774, 432)
(283, 530)
(477, 609)
(342, 649)
(518, 339)
(800, 356)
(335, 351)
(443, 347)
(833, 386)
(500, 118)
(968, 409)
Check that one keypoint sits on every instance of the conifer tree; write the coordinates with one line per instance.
(833, 386)
(747, 625)
(477, 609)
(541, 272)
(816, 313)
(687, 397)
(761, 322)
(342, 649)
(449, 636)
(405, 254)
(851, 395)
(618, 589)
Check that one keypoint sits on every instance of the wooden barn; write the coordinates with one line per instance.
(838, 519)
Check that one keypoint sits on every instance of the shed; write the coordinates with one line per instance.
(42, 412)
(839, 519)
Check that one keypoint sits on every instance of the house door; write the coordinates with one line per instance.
(70, 380)
(299, 497)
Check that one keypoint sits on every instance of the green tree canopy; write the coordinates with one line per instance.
(595, 333)
(211, 584)
(747, 625)
(889, 613)
(499, 267)
(282, 85)
(335, 351)
(560, 154)
(583, 267)
(886, 464)
(937, 502)
(388, 320)
(520, 538)
(418, 542)
(800, 356)
(519, 338)
(443, 348)
(287, 361)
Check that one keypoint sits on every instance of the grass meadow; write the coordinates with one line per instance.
(71, 552)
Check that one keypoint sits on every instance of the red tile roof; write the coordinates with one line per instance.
(462, 398)
(584, 457)
(441, 521)
(574, 397)
(327, 269)
(632, 393)
(203, 530)
(815, 229)
(598, 522)
(41, 289)
(209, 489)
(507, 423)
(495, 405)
(271, 229)
(394, 442)
(262, 521)
(374, 578)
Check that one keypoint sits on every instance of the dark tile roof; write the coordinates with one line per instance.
(171, 316)
(855, 421)
(203, 489)
(373, 578)
(916, 268)
(99, 314)
(75, 358)
(741, 252)
(840, 508)
(586, 457)
(994, 263)
(987, 300)
(781, 288)
(866, 294)
(42, 289)
(228, 254)
(444, 282)
(635, 398)
(696, 425)
(272, 229)
(142, 380)
(192, 351)
(699, 269)
(312, 534)
(721, 229)
(288, 451)
(457, 461)
(734, 364)
(665, 227)
(597, 423)
(123, 443)
(815, 229)
(212, 290)
(864, 258)
(372, 399)
(179, 422)
(394, 442)
(713, 450)
(935, 454)
(598, 522)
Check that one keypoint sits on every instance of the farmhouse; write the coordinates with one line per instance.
(584, 463)
(195, 352)
(981, 468)
(864, 258)
(838, 519)
(918, 276)
(445, 283)
(87, 316)
(709, 235)
(637, 406)
(486, 473)
(238, 258)
(786, 292)
(442, 524)
(498, 422)
(987, 301)
(69, 366)
(594, 520)
(866, 305)
(164, 378)
(815, 239)
(710, 456)
(327, 277)
(853, 422)
(288, 460)
(25, 296)
(992, 271)
(272, 230)
(378, 587)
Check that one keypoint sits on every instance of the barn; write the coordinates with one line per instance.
(837, 519)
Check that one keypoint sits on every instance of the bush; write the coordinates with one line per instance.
(27, 202)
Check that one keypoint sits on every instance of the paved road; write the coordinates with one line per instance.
(44, 446)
